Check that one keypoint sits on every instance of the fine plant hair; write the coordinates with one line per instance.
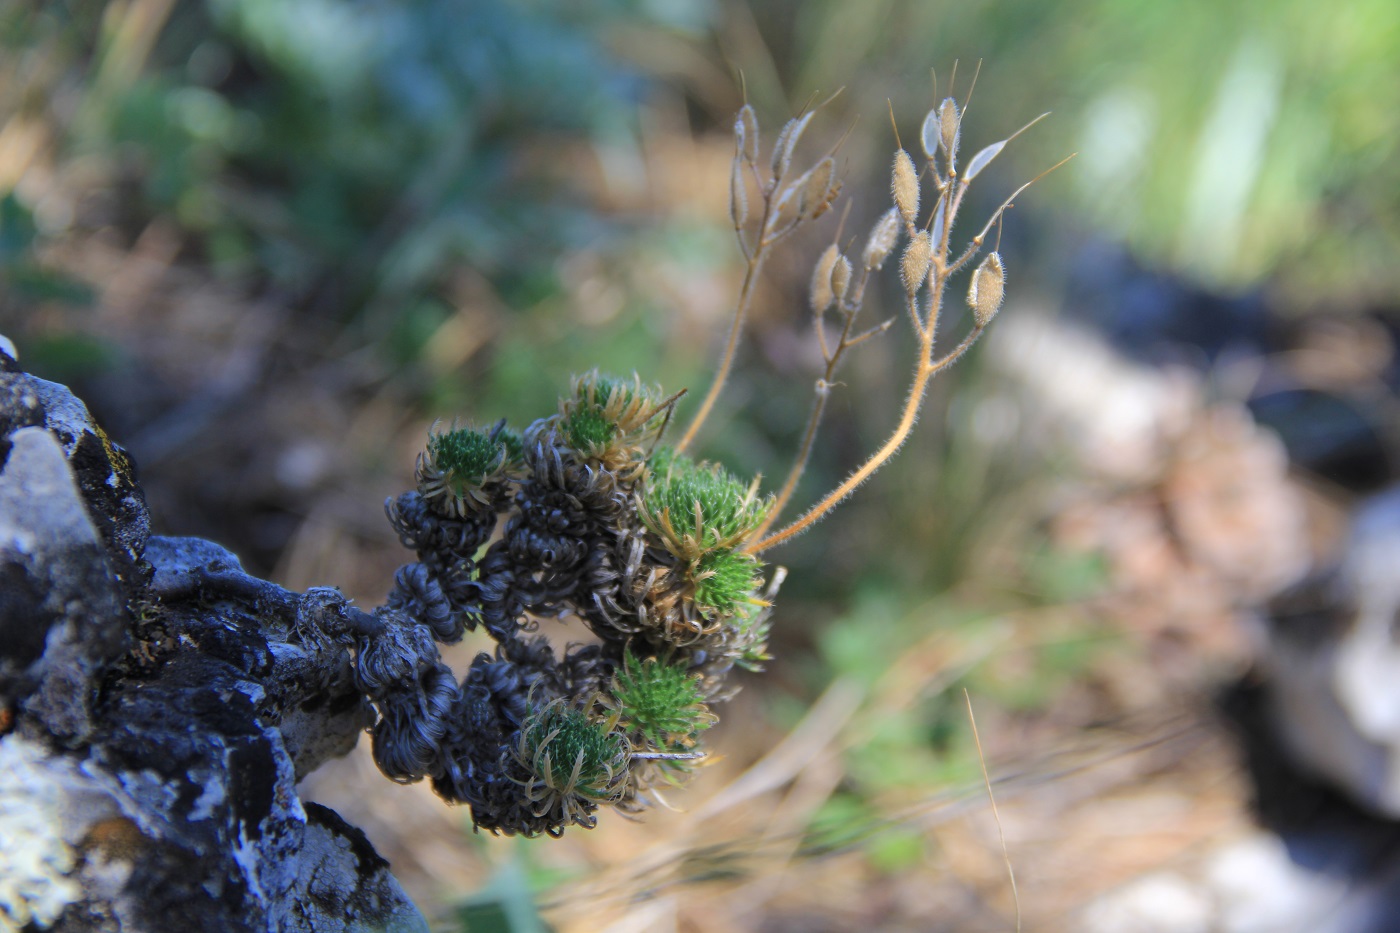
(591, 513)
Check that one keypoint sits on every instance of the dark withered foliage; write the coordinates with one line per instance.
(639, 542)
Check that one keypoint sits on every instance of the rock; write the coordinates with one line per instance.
(61, 615)
(88, 848)
(1248, 885)
(1164, 902)
(105, 473)
(157, 708)
(1333, 666)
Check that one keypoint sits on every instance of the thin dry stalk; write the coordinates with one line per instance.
(786, 207)
(832, 356)
(987, 780)
(736, 327)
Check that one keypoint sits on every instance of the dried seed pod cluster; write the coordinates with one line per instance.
(927, 263)
(588, 514)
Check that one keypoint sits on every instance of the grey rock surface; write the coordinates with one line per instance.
(60, 617)
(157, 708)
(1332, 657)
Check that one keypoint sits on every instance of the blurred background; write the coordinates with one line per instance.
(270, 242)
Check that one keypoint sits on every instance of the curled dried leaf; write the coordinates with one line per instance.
(883, 236)
(904, 185)
(988, 287)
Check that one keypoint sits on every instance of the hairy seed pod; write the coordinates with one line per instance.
(917, 256)
(821, 292)
(987, 289)
(904, 185)
(738, 195)
(819, 190)
(787, 142)
(832, 193)
(883, 237)
(786, 213)
(950, 128)
(840, 277)
(746, 134)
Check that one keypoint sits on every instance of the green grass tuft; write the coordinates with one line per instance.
(588, 429)
(725, 580)
(467, 456)
(596, 389)
(728, 508)
(661, 701)
(569, 738)
(515, 448)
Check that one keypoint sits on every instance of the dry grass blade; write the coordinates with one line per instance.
(991, 799)
(816, 731)
(755, 864)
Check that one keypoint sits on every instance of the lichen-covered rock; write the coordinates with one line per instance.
(157, 708)
(106, 476)
(90, 848)
(272, 641)
(61, 618)
(38, 876)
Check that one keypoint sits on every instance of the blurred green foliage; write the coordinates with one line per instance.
(23, 277)
(505, 904)
(349, 154)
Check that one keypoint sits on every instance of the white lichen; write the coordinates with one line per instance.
(35, 859)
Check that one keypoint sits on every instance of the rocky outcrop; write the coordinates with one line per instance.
(157, 708)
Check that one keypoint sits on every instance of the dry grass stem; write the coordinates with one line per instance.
(991, 799)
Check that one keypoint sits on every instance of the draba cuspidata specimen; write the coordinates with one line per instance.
(594, 512)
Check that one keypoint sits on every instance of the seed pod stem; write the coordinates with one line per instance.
(981, 237)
